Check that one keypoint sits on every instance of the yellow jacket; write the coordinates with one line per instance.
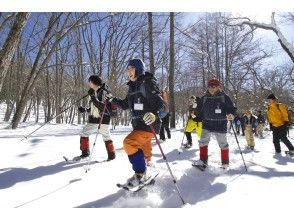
(277, 114)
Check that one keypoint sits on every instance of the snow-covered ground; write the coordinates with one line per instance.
(33, 174)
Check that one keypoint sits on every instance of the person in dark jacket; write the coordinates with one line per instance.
(96, 104)
(215, 109)
(260, 124)
(144, 101)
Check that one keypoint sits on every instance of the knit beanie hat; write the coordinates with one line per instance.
(271, 96)
(213, 83)
(139, 66)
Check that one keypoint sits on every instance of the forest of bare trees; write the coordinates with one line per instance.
(46, 59)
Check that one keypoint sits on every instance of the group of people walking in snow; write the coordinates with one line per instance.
(208, 115)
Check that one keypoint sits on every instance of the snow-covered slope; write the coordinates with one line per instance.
(33, 174)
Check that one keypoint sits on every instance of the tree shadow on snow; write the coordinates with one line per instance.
(124, 199)
(104, 202)
(24, 154)
(49, 193)
(195, 186)
(14, 175)
(35, 141)
(162, 194)
(268, 172)
(283, 160)
(174, 155)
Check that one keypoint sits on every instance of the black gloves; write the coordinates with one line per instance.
(286, 124)
(271, 127)
(82, 109)
(91, 92)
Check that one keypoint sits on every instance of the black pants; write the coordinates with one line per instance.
(243, 129)
(237, 128)
(164, 126)
(280, 133)
(189, 137)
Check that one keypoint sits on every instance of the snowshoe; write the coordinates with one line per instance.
(138, 182)
(187, 145)
(289, 153)
(199, 164)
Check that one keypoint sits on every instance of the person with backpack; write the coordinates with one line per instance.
(194, 122)
(215, 109)
(279, 121)
(249, 120)
(164, 115)
(260, 124)
(145, 102)
(97, 100)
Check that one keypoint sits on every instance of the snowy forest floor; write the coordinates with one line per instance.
(34, 174)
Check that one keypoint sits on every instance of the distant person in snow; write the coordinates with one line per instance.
(279, 121)
(95, 107)
(249, 121)
(215, 109)
(144, 101)
(194, 121)
(164, 115)
(260, 124)
(237, 122)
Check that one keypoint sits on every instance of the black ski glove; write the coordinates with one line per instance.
(286, 124)
(82, 109)
(271, 127)
(91, 92)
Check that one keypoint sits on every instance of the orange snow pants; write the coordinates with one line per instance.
(139, 140)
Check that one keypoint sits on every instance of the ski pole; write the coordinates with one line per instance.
(26, 137)
(180, 150)
(87, 167)
(239, 146)
(164, 158)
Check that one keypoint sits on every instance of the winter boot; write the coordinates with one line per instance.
(84, 146)
(136, 179)
(202, 163)
(110, 150)
(225, 157)
(187, 145)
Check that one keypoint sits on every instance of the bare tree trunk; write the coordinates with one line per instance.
(57, 90)
(172, 70)
(38, 102)
(9, 109)
(11, 44)
(39, 65)
(9, 103)
(150, 37)
(27, 114)
(47, 83)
